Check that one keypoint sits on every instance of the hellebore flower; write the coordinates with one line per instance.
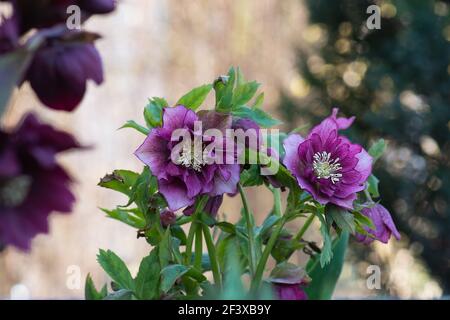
(168, 218)
(60, 70)
(47, 13)
(384, 225)
(327, 165)
(32, 184)
(288, 281)
(183, 178)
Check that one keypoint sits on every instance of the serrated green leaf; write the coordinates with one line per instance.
(165, 249)
(147, 279)
(116, 269)
(327, 253)
(90, 292)
(343, 219)
(121, 294)
(131, 217)
(170, 274)
(223, 87)
(258, 101)
(194, 98)
(120, 180)
(244, 93)
(363, 220)
(134, 125)
(260, 117)
(251, 177)
(377, 149)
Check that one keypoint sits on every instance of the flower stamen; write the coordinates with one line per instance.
(326, 168)
(191, 157)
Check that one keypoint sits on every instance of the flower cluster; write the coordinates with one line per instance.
(327, 177)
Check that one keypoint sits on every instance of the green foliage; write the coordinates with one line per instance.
(116, 269)
(344, 220)
(153, 112)
(194, 98)
(147, 279)
(324, 278)
(377, 149)
(91, 293)
(134, 125)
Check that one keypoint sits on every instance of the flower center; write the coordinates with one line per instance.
(14, 191)
(326, 168)
(191, 157)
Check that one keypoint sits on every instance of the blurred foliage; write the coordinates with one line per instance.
(396, 81)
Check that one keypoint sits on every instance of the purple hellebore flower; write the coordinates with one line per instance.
(384, 225)
(32, 184)
(60, 70)
(181, 181)
(168, 218)
(290, 291)
(327, 165)
(47, 13)
(288, 282)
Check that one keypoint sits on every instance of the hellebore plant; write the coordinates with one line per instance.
(192, 159)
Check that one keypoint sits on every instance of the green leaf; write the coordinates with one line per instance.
(147, 279)
(223, 87)
(194, 98)
(267, 225)
(377, 149)
(153, 112)
(91, 293)
(327, 253)
(372, 186)
(226, 227)
(343, 219)
(116, 269)
(133, 125)
(260, 117)
(244, 93)
(164, 249)
(233, 288)
(324, 279)
(170, 274)
(131, 217)
(120, 180)
(251, 177)
(258, 101)
(121, 294)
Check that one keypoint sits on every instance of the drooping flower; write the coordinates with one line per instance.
(328, 165)
(289, 281)
(183, 178)
(32, 183)
(47, 13)
(60, 70)
(383, 223)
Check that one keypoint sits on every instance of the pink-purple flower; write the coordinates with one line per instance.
(328, 165)
(32, 183)
(183, 180)
(383, 223)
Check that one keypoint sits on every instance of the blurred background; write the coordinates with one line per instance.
(309, 55)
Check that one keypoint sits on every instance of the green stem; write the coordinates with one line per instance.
(305, 227)
(212, 256)
(198, 246)
(266, 253)
(189, 242)
(199, 205)
(277, 201)
(251, 238)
